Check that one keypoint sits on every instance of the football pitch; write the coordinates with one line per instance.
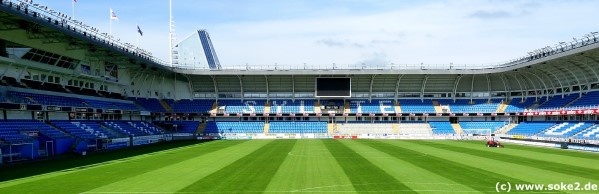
(311, 166)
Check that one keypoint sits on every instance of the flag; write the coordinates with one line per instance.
(139, 31)
(113, 15)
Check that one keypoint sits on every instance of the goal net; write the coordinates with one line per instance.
(478, 133)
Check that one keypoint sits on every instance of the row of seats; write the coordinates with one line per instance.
(84, 129)
(374, 106)
(224, 127)
(290, 106)
(190, 106)
(441, 127)
(133, 128)
(150, 104)
(519, 105)
(298, 127)
(567, 129)
(186, 126)
(581, 130)
(356, 106)
(589, 100)
(474, 106)
(558, 102)
(32, 98)
(417, 106)
(481, 125)
(248, 106)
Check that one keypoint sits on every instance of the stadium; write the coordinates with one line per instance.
(83, 112)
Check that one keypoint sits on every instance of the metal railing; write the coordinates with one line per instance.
(44, 14)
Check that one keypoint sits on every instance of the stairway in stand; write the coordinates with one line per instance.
(214, 107)
(501, 108)
(395, 128)
(267, 107)
(331, 128)
(506, 129)
(317, 107)
(437, 107)
(347, 108)
(457, 128)
(266, 127)
(165, 105)
(201, 128)
(397, 107)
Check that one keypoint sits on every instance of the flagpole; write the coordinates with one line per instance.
(137, 37)
(73, 4)
(110, 19)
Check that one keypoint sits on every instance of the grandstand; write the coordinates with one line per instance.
(89, 91)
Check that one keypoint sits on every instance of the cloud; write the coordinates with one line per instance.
(318, 32)
(495, 14)
(339, 43)
(375, 59)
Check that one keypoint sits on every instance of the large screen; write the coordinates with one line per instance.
(333, 87)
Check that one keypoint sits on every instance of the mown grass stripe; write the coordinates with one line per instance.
(364, 175)
(534, 163)
(478, 179)
(558, 152)
(310, 167)
(90, 178)
(251, 173)
(173, 177)
(70, 163)
(417, 178)
(516, 151)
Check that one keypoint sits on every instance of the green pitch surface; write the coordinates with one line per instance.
(330, 166)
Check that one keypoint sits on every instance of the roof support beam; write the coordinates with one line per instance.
(573, 75)
(540, 76)
(151, 84)
(135, 79)
(370, 90)
(534, 87)
(162, 83)
(143, 83)
(472, 87)
(215, 86)
(21, 73)
(5, 70)
(587, 64)
(505, 87)
(399, 76)
(543, 82)
(522, 89)
(189, 85)
(267, 88)
(558, 81)
(587, 83)
(46, 78)
(292, 88)
(423, 87)
(175, 87)
(488, 85)
(585, 77)
(240, 86)
(455, 86)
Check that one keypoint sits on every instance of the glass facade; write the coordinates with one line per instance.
(197, 52)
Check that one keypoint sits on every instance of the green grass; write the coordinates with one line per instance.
(312, 166)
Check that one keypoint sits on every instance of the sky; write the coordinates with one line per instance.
(371, 32)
